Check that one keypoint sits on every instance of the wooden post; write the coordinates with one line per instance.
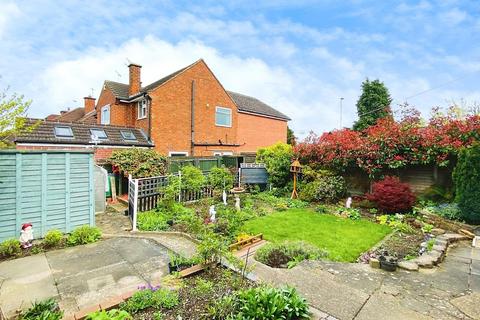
(294, 191)
(135, 205)
(113, 189)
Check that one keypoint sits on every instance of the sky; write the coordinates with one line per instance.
(299, 56)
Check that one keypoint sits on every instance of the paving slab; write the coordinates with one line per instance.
(25, 281)
(469, 304)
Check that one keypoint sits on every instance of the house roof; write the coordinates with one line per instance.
(243, 102)
(72, 115)
(89, 118)
(253, 105)
(44, 132)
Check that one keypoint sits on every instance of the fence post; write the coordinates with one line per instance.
(135, 204)
(180, 186)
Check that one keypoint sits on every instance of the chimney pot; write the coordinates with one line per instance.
(89, 104)
(134, 83)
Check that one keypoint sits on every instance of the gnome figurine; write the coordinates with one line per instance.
(212, 213)
(26, 235)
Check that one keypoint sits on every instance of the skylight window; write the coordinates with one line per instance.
(99, 134)
(128, 135)
(63, 132)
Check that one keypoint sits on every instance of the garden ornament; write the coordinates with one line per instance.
(237, 202)
(224, 197)
(26, 235)
(348, 204)
(212, 213)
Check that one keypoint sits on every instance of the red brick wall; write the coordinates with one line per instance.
(255, 132)
(171, 112)
(121, 114)
(134, 79)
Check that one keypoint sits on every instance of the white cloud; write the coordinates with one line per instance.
(453, 16)
(8, 12)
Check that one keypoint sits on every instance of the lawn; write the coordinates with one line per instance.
(344, 239)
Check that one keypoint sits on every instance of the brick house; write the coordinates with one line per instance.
(189, 113)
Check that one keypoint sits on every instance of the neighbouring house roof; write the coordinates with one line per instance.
(243, 102)
(89, 118)
(72, 115)
(44, 133)
(253, 105)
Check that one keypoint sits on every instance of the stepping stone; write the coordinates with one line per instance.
(437, 231)
(408, 265)
(441, 242)
(435, 256)
(452, 237)
(424, 261)
(439, 247)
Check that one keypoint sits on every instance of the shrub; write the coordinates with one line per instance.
(44, 310)
(262, 303)
(10, 247)
(113, 314)
(220, 178)
(392, 196)
(277, 158)
(466, 177)
(322, 185)
(447, 210)
(288, 254)
(152, 221)
(84, 235)
(151, 297)
(53, 238)
(353, 214)
(139, 162)
(211, 248)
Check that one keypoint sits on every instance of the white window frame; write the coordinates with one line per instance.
(124, 132)
(104, 109)
(63, 136)
(217, 109)
(178, 153)
(142, 109)
(222, 153)
(98, 137)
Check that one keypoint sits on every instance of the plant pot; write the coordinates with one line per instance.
(388, 265)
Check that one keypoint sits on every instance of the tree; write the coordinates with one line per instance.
(291, 139)
(373, 104)
(139, 163)
(13, 110)
(277, 158)
(467, 189)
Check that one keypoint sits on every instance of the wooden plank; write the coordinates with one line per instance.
(68, 226)
(18, 191)
(91, 187)
(195, 269)
(44, 194)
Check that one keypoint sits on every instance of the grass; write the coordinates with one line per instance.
(344, 239)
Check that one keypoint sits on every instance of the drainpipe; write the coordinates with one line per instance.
(149, 112)
(192, 121)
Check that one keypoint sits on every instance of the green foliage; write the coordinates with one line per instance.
(53, 238)
(279, 203)
(288, 253)
(353, 214)
(427, 228)
(113, 314)
(192, 178)
(151, 298)
(152, 221)
(203, 287)
(13, 111)
(437, 194)
(212, 248)
(139, 163)
(321, 185)
(291, 139)
(44, 310)
(373, 104)
(466, 177)
(10, 247)
(395, 222)
(447, 210)
(261, 303)
(84, 235)
(220, 178)
(323, 209)
(158, 316)
(277, 159)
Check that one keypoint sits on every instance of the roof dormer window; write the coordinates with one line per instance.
(98, 134)
(128, 135)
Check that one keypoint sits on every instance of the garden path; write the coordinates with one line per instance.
(356, 291)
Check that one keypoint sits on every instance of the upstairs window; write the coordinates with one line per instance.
(128, 135)
(142, 109)
(105, 114)
(98, 134)
(63, 132)
(223, 117)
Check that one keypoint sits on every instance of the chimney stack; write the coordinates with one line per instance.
(89, 104)
(134, 83)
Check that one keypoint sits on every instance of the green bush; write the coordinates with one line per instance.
(322, 185)
(261, 303)
(84, 235)
(466, 177)
(10, 247)
(211, 248)
(220, 178)
(44, 310)
(288, 254)
(447, 210)
(113, 314)
(139, 162)
(277, 158)
(151, 298)
(152, 221)
(53, 238)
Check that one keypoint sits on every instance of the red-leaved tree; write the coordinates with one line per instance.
(392, 196)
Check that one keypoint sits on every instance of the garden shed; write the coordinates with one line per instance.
(49, 189)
